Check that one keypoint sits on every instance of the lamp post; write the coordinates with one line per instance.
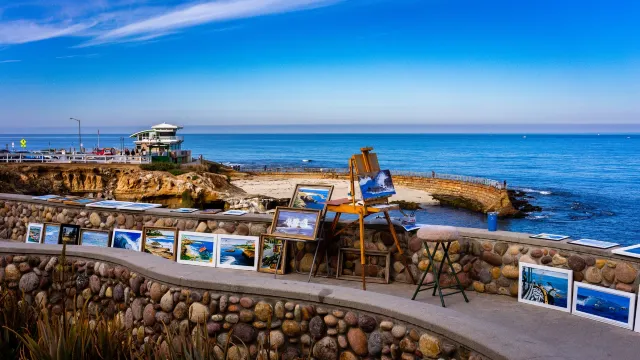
(79, 134)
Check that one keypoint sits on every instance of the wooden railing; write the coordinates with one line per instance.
(72, 158)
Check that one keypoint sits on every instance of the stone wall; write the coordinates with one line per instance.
(144, 306)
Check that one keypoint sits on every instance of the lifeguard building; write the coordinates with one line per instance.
(162, 143)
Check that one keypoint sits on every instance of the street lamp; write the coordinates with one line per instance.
(79, 135)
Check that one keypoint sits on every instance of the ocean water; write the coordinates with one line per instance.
(587, 185)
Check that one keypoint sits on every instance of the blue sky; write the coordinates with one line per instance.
(131, 63)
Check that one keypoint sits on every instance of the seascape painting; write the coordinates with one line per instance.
(237, 252)
(197, 248)
(296, 223)
(94, 238)
(127, 239)
(139, 206)
(632, 251)
(160, 242)
(109, 204)
(272, 252)
(311, 196)
(69, 234)
(599, 244)
(603, 304)
(552, 237)
(545, 286)
(373, 186)
(34, 233)
(51, 234)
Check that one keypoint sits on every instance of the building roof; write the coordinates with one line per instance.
(166, 126)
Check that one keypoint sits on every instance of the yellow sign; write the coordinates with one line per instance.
(23, 143)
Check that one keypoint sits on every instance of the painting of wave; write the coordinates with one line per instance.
(160, 242)
(51, 234)
(545, 286)
(34, 233)
(197, 248)
(94, 238)
(376, 186)
(237, 252)
(127, 239)
(604, 304)
(311, 197)
(297, 223)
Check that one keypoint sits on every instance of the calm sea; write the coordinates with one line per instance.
(587, 185)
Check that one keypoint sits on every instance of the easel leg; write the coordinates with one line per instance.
(362, 257)
(313, 264)
(395, 239)
(275, 275)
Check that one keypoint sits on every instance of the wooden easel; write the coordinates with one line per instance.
(358, 164)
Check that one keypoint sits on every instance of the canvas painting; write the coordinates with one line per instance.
(197, 248)
(34, 233)
(184, 210)
(272, 252)
(603, 304)
(545, 286)
(237, 252)
(100, 238)
(594, 243)
(632, 251)
(51, 234)
(552, 237)
(296, 223)
(69, 234)
(311, 196)
(376, 185)
(45, 197)
(234, 212)
(139, 206)
(79, 202)
(127, 239)
(109, 204)
(160, 242)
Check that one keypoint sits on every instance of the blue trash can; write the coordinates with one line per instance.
(492, 221)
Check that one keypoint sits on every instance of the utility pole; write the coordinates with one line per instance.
(79, 133)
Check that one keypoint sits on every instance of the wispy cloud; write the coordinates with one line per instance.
(86, 56)
(9, 61)
(125, 21)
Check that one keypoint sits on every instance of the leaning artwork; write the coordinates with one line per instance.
(237, 252)
(296, 223)
(552, 237)
(308, 196)
(376, 185)
(602, 304)
(545, 286)
(272, 254)
(91, 237)
(69, 234)
(127, 239)
(160, 242)
(196, 248)
(631, 251)
(34, 233)
(51, 233)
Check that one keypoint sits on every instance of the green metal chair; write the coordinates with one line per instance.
(441, 236)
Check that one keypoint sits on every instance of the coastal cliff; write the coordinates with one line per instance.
(121, 182)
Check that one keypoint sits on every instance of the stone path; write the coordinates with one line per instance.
(574, 336)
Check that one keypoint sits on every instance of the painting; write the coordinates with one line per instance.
(127, 239)
(632, 251)
(237, 252)
(160, 241)
(139, 206)
(109, 204)
(552, 237)
(99, 238)
(594, 243)
(376, 185)
(603, 304)
(196, 248)
(184, 210)
(34, 233)
(234, 212)
(51, 233)
(45, 197)
(308, 196)
(545, 286)
(79, 202)
(272, 251)
(69, 234)
(296, 223)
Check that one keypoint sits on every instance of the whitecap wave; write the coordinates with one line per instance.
(541, 192)
(228, 260)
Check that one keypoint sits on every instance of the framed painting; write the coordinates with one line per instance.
(376, 268)
(295, 223)
(632, 251)
(310, 196)
(69, 234)
(45, 197)
(545, 286)
(127, 239)
(552, 237)
(594, 243)
(376, 185)
(79, 202)
(91, 237)
(603, 304)
(196, 248)
(237, 252)
(160, 241)
(34, 233)
(273, 250)
(139, 206)
(234, 212)
(109, 204)
(51, 233)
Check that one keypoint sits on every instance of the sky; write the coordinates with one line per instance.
(119, 64)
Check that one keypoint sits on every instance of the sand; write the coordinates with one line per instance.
(283, 188)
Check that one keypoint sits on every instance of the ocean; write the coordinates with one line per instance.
(587, 185)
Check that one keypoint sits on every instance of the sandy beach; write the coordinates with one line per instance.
(283, 188)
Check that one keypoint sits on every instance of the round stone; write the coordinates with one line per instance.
(375, 343)
(291, 328)
(236, 352)
(501, 248)
(407, 345)
(593, 275)
(576, 263)
(149, 315)
(626, 273)
(367, 323)
(263, 311)
(536, 253)
(156, 292)
(326, 349)
(351, 319)
(246, 302)
(510, 272)
(546, 259)
(245, 332)
(317, 327)
(276, 339)
(29, 282)
(358, 341)
(429, 346)
(246, 315)
(330, 320)
(198, 313)
(180, 310)
(11, 273)
(386, 325)
(398, 331)
(163, 317)
(558, 260)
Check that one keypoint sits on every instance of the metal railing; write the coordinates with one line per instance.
(340, 171)
(73, 158)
